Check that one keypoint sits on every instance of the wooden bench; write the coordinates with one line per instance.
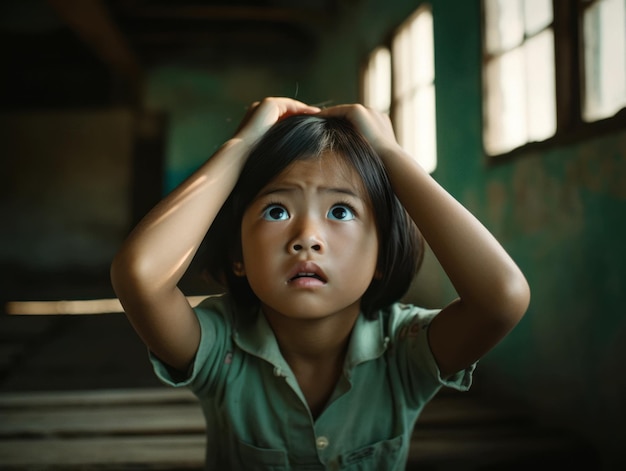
(108, 429)
(163, 429)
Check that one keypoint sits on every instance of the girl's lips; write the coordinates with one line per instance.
(306, 282)
(306, 273)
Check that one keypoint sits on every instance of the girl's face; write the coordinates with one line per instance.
(309, 240)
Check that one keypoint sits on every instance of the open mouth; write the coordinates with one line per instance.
(307, 275)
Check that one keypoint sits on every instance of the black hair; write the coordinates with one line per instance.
(401, 246)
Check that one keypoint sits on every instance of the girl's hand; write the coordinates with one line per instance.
(373, 125)
(261, 115)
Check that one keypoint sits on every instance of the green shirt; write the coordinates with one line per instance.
(257, 417)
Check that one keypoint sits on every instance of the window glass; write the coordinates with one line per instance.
(529, 45)
(377, 80)
(540, 85)
(518, 74)
(413, 97)
(504, 24)
(604, 59)
(401, 81)
(537, 15)
(505, 123)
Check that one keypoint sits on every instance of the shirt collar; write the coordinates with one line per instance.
(258, 339)
(367, 341)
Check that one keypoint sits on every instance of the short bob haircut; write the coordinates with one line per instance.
(401, 246)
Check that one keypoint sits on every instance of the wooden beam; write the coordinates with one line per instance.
(91, 21)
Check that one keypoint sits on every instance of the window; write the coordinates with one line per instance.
(401, 80)
(519, 77)
(377, 80)
(552, 70)
(604, 27)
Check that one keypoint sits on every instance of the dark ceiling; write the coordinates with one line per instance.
(66, 53)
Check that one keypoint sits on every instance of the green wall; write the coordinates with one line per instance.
(560, 213)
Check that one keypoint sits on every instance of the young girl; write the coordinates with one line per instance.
(310, 221)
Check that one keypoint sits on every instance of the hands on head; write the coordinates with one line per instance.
(262, 115)
(373, 125)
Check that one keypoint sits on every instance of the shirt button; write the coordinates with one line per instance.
(321, 443)
(277, 371)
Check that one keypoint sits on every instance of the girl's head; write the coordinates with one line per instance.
(297, 138)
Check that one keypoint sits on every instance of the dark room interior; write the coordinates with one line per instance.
(107, 105)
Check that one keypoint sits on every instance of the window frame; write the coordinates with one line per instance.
(387, 44)
(569, 78)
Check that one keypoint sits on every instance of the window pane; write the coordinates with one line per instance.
(505, 120)
(401, 60)
(519, 80)
(414, 90)
(421, 34)
(401, 119)
(537, 15)
(425, 140)
(504, 25)
(539, 65)
(416, 130)
(378, 80)
(605, 59)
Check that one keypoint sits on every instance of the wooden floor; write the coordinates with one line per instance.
(77, 393)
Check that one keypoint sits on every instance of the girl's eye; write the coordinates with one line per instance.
(275, 212)
(341, 212)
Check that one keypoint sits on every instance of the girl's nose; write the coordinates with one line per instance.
(307, 237)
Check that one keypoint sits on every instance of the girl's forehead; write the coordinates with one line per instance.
(329, 168)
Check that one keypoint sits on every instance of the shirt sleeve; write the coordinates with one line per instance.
(214, 350)
(417, 365)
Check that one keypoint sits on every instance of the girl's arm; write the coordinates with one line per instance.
(493, 292)
(148, 267)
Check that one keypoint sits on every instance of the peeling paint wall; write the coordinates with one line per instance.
(566, 211)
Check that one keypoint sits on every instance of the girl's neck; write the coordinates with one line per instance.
(315, 350)
(312, 340)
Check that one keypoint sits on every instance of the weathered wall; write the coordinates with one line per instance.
(205, 106)
(562, 212)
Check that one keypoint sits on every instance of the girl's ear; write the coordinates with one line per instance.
(238, 269)
(378, 275)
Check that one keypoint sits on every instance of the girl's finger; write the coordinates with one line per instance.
(261, 115)
(288, 107)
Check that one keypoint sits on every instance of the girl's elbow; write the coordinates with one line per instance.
(118, 273)
(514, 300)
(126, 271)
